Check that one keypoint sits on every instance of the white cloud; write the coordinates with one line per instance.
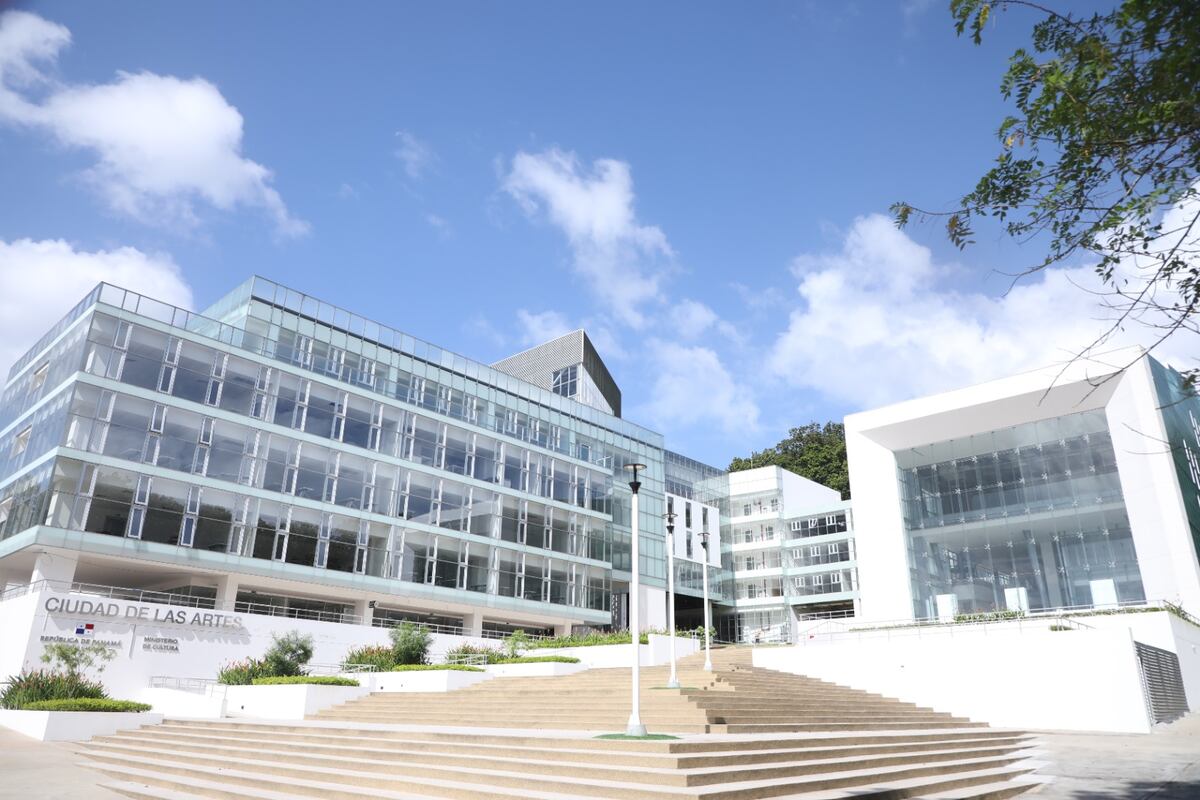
(439, 224)
(692, 319)
(41, 281)
(876, 324)
(161, 144)
(692, 387)
(616, 255)
(542, 327)
(416, 156)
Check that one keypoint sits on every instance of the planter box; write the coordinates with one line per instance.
(433, 680)
(179, 703)
(74, 726)
(295, 701)
(545, 668)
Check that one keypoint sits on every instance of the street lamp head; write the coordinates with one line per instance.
(704, 540)
(670, 515)
(635, 468)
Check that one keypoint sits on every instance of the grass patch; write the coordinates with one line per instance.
(539, 660)
(85, 704)
(428, 667)
(648, 737)
(315, 680)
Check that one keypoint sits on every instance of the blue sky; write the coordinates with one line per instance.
(699, 184)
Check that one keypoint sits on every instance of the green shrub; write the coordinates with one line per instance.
(288, 654)
(589, 639)
(34, 686)
(539, 660)
(73, 658)
(424, 667)
(86, 704)
(379, 656)
(242, 673)
(474, 652)
(316, 680)
(515, 642)
(410, 643)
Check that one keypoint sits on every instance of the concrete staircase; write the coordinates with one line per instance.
(794, 738)
(734, 698)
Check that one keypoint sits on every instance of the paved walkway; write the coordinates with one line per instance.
(1162, 766)
(33, 770)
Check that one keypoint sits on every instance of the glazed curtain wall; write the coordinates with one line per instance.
(1037, 507)
(135, 505)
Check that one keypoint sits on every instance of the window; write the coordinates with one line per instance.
(565, 381)
(21, 441)
(39, 378)
(5, 510)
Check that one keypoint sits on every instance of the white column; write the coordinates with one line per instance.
(55, 567)
(227, 590)
(673, 681)
(364, 610)
(562, 630)
(635, 726)
(707, 615)
(473, 624)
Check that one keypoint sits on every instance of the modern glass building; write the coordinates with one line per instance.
(278, 453)
(791, 553)
(1057, 489)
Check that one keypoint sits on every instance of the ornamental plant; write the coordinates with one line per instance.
(288, 654)
(243, 672)
(379, 656)
(35, 686)
(410, 643)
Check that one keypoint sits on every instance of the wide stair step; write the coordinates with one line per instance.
(530, 738)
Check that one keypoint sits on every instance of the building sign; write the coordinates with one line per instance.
(1181, 417)
(160, 644)
(116, 611)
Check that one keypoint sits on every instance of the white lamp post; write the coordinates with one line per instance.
(707, 621)
(673, 682)
(635, 726)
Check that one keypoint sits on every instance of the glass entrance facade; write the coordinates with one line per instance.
(1024, 518)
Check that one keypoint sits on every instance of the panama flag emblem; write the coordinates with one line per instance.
(87, 629)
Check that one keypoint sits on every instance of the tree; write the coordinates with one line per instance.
(1102, 156)
(73, 659)
(814, 451)
(410, 643)
(288, 654)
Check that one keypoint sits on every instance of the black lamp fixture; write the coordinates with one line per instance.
(635, 484)
(671, 521)
(704, 540)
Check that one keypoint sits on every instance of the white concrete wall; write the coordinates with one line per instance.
(192, 651)
(1161, 534)
(1066, 680)
(73, 726)
(1164, 630)
(295, 701)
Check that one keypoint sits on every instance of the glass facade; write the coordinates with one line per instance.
(1030, 517)
(284, 429)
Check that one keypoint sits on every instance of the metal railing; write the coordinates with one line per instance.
(318, 615)
(201, 685)
(432, 627)
(468, 659)
(336, 669)
(111, 592)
